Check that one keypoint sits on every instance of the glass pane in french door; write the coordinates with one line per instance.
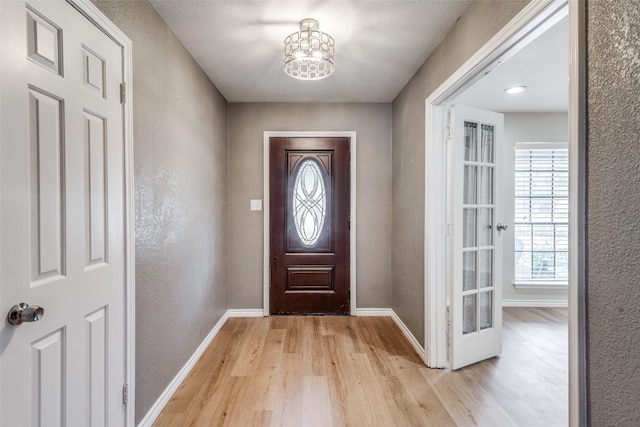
(486, 309)
(469, 280)
(469, 223)
(485, 268)
(470, 141)
(485, 227)
(469, 314)
(478, 228)
(486, 186)
(487, 144)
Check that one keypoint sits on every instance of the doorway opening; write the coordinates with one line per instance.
(534, 20)
(347, 135)
(309, 225)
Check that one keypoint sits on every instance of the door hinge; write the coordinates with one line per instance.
(123, 93)
(447, 134)
(125, 393)
(448, 229)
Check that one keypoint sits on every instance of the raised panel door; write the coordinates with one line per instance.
(62, 216)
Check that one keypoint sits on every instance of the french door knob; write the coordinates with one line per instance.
(501, 227)
(24, 312)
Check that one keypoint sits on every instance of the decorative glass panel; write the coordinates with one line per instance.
(309, 203)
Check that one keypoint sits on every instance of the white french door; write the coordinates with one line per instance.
(476, 243)
(62, 216)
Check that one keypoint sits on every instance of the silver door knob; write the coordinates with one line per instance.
(23, 312)
(501, 227)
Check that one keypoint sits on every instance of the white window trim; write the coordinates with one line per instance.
(546, 284)
(541, 145)
(533, 283)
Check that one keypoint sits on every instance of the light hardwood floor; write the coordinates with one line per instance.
(361, 371)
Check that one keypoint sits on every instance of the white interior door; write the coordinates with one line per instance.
(62, 216)
(476, 247)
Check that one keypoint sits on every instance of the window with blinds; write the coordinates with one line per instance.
(541, 215)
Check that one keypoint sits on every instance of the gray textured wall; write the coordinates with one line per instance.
(180, 140)
(476, 26)
(613, 212)
(372, 123)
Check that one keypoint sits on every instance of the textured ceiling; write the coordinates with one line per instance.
(380, 44)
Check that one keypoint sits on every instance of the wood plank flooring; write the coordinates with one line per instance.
(361, 371)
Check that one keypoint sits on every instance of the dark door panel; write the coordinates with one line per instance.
(309, 185)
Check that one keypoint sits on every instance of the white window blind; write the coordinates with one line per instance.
(541, 215)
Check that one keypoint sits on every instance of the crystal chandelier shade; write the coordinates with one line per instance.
(309, 53)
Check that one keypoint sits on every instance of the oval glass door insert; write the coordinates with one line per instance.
(309, 203)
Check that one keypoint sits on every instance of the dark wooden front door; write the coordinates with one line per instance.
(309, 214)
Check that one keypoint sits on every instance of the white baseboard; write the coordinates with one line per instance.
(388, 312)
(166, 395)
(249, 312)
(534, 303)
(407, 333)
(381, 312)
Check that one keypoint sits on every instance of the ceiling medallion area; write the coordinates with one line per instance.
(309, 53)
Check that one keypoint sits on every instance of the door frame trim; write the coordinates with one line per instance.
(95, 16)
(266, 204)
(528, 24)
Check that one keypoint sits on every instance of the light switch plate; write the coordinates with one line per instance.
(256, 204)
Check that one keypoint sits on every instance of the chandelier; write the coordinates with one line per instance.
(309, 53)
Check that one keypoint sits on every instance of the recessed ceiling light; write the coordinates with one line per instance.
(515, 89)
